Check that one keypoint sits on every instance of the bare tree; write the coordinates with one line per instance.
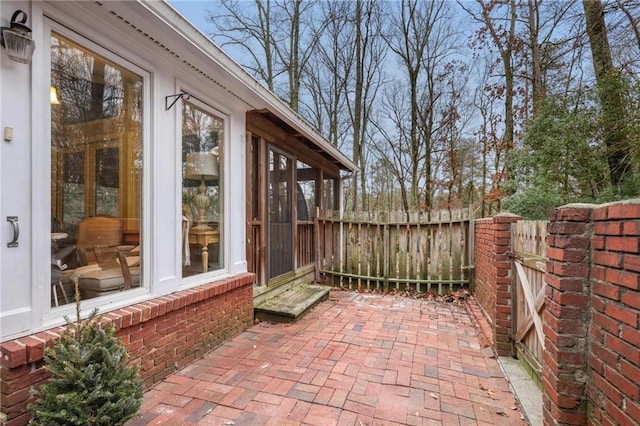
(357, 105)
(369, 56)
(499, 20)
(492, 157)
(327, 78)
(278, 38)
(541, 22)
(453, 117)
(421, 40)
(392, 147)
(631, 11)
(250, 30)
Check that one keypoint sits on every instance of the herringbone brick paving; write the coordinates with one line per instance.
(356, 359)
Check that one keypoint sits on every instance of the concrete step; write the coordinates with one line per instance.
(291, 304)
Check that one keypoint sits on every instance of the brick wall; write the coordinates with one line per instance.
(591, 370)
(162, 335)
(566, 316)
(614, 357)
(492, 280)
(591, 363)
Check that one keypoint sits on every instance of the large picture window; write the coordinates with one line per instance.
(96, 173)
(202, 196)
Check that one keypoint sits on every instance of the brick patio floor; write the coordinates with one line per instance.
(356, 359)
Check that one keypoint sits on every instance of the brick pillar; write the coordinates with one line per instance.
(614, 335)
(493, 275)
(567, 317)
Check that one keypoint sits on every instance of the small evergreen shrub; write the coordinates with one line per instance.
(91, 382)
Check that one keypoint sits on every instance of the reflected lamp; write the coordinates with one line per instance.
(53, 96)
(202, 166)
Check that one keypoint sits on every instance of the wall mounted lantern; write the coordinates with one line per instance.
(16, 39)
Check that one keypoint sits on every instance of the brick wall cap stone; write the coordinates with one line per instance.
(506, 214)
(579, 206)
(621, 202)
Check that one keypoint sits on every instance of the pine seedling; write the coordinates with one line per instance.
(91, 382)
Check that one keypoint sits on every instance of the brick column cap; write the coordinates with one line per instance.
(574, 212)
(621, 202)
(507, 214)
(579, 206)
(506, 217)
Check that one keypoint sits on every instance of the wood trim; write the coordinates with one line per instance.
(249, 200)
(265, 128)
(262, 211)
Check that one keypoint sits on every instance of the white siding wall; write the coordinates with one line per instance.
(25, 163)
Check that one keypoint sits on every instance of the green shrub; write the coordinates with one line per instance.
(534, 202)
(91, 382)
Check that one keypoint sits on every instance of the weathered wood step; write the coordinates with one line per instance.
(291, 304)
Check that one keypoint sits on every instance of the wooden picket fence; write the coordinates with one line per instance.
(383, 251)
(528, 241)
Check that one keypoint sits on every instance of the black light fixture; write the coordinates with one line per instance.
(16, 39)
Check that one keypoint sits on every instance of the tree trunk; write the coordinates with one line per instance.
(357, 108)
(537, 84)
(505, 48)
(610, 92)
(294, 61)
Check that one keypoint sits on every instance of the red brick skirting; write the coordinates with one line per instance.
(162, 335)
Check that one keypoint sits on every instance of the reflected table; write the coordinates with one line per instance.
(203, 236)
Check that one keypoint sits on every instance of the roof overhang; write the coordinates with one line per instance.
(178, 37)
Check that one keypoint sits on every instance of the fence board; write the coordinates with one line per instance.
(422, 251)
(528, 239)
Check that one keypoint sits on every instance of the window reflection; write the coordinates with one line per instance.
(202, 197)
(96, 173)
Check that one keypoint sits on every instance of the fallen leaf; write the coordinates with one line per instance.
(502, 413)
(489, 392)
(514, 408)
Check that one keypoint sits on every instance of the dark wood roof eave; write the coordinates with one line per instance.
(294, 133)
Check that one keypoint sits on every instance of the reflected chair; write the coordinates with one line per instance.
(107, 265)
(118, 270)
(96, 232)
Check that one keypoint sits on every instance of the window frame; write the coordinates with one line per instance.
(106, 50)
(209, 107)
